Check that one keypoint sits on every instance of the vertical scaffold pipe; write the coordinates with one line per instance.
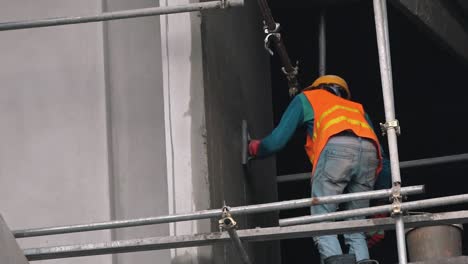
(288, 68)
(322, 38)
(381, 25)
(387, 51)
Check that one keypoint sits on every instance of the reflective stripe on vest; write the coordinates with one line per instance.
(332, 116)
(341, 119)
(333, 109)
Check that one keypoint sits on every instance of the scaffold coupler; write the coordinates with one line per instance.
(227, 223)
(392, 124)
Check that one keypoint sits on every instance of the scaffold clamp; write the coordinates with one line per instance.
(393, 124)
(267, 41)
(226, 222)
(270, 33)
(396, 201)
(396, 208)
(293, 73)
(292, 81)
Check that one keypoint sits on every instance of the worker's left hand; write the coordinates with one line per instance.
(253, 147)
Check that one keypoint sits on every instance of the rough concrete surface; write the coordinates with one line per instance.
(237, 86)
(135, 118)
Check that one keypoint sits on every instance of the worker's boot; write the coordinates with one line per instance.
(368, 261)
(341, 259)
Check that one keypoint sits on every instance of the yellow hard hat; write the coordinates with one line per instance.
(325, 79)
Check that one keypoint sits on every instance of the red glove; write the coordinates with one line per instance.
(253, 147)
(375, 237)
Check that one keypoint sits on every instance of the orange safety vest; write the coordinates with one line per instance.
(333, 115)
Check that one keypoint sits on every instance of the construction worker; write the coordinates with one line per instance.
(343, 149)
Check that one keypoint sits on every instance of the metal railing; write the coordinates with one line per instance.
(246, 235)
(143, 12)
(403, 165)
(228, 224)
(434, 202)
(214, 213)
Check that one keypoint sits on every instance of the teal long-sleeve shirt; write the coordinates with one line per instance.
(300, 113)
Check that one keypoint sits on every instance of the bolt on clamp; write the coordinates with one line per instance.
(389, 125)
(292, 81)
(293, 91)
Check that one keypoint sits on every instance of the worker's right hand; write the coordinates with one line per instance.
(253, 147)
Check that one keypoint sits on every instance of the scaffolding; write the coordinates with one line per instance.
(305, 226)
(403, 165)
(116, 15)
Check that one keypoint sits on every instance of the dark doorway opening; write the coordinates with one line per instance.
(430, 92)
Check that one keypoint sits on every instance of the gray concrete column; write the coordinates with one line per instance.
(53, 159)
(237, 87)
(135, 105)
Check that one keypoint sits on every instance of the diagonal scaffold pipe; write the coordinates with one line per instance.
(288, 68)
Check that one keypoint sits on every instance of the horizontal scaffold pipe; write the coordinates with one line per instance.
(403, 165)
(247, 235)
(143, 12)
(434, 202)
(213, 213)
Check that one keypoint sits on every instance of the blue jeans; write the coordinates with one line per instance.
(347, 164)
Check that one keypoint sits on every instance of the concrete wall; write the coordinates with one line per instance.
(136, 120)
(237, 86)
(188, 182)
(82, 107)
(53, 159)
(107, 121)
(10, 252)
(87, 110)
